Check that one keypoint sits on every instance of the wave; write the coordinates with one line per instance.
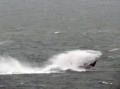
(74, 60)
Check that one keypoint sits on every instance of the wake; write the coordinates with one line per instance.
(75, 60)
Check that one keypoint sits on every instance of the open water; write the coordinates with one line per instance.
(32, 31)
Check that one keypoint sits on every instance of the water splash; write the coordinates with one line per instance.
(70, 60)
(9, 65)
(74, 60)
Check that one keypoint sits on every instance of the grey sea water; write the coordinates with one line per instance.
(33, 30)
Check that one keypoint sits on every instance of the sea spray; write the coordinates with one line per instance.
(69, 60)
(10, 65)
(72, 60)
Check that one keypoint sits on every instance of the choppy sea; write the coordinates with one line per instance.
(34, 32)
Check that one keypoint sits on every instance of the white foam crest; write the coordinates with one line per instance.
(70, 60)
(4, 42)
(114, 49)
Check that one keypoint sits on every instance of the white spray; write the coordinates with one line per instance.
(70, 60)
